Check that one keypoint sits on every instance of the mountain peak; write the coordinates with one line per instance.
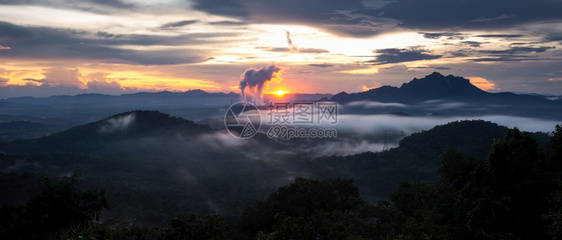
(432, 86)
(438, 85)
(435, 75)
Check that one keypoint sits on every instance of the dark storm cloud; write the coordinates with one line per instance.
(475, 14)
(500, 35)
(398, 55)
(87, 5)
(518, 50)
(472, 43)
(493, 19)
(513, 54)
(105, 38)
(334, 16)
(366, 18)
(51, 43)
(442, 68)
(179, 24)
(553, 37)
(505, 59)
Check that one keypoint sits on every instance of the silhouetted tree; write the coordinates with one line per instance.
(308, 209)
(59, 206)
(192, 227)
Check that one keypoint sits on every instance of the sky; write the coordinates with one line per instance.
(54, 47)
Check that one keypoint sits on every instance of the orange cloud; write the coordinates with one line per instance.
(483, 83)
(555, 79)
(375, 85)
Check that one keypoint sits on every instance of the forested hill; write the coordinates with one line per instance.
(101, 135)
(416, 158)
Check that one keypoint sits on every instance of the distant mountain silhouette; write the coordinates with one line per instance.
(23, 129)
(436, 86)
(118, 128)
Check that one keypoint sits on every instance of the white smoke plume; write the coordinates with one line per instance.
(253, 81)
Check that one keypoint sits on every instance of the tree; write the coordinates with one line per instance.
(308, 209)
(553, 217)
(507, 195)
(192, 227)
(59, 206)
(418, 203)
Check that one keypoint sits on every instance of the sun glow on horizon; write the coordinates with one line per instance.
(279, 93)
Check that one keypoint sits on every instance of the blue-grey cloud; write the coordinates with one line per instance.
(45, 90)
(398, 55)
(228, 23)
(553, 37)
(299, 50)
(519, 50)
(338, 17)
(113, 3)
(96, 6)
(472, 43)
(448, 35)
(321, 65)
(179, 24)
(506, 59)
(51, 43)
(366, 18)
(476, 14)
(500, 35)
(4, 81)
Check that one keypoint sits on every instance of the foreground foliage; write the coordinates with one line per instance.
(60, 205)
(516, 193)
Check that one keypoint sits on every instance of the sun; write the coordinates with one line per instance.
(280, 93)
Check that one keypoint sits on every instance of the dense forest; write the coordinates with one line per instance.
(514, 193)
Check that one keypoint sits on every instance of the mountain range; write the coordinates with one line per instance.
(439, 87)
(436, 94)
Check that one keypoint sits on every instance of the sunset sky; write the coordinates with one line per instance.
(53, 47)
